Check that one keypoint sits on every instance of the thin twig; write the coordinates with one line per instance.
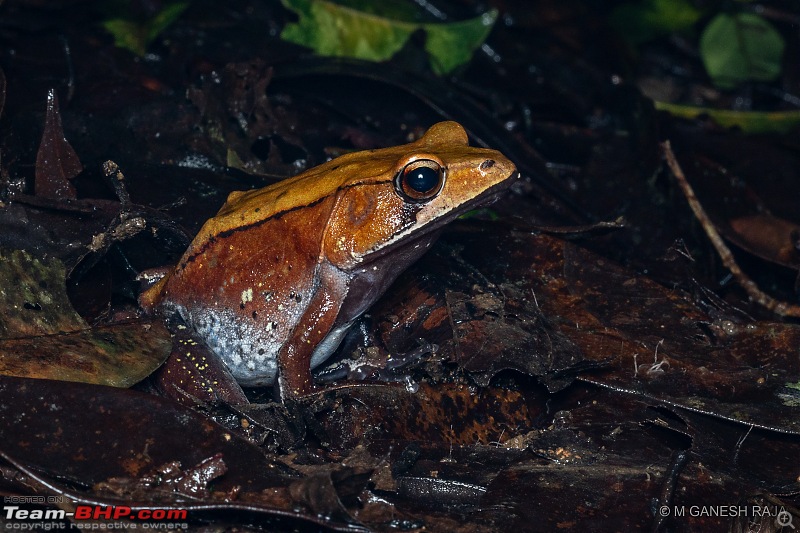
(750, 287)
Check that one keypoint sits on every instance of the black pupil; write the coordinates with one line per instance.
(422, 179)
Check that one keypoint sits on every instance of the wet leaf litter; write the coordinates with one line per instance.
(609, 361)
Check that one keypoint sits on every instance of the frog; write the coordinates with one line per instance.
(275, 279)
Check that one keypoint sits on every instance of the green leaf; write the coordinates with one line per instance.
(135, 35)
(646, 20)
(331, 29)
(451, 45)
(127, 34)
(164, 19)
(334, 30)
(741, 47)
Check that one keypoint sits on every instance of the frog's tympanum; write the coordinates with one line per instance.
(274, 280)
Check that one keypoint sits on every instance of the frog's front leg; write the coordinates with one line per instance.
(316, 336)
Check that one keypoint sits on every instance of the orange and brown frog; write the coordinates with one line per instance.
(275, 279)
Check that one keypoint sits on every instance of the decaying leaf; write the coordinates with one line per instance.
(635, 335)
(768, 237)
(52, 426)
(119, 355)
(56, 161)
(33, 298)
(42, 336)
(663, 346)
(449, 413)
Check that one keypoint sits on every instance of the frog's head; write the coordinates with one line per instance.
(391, 209)
(399, 197)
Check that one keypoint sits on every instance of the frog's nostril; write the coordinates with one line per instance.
(486, 165)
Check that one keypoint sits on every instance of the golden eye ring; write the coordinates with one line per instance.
(420, 180)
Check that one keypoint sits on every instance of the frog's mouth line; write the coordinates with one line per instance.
(430, 231)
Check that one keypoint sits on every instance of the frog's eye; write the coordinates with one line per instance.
(420, 180)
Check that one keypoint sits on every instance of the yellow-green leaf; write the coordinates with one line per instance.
(748, 121)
